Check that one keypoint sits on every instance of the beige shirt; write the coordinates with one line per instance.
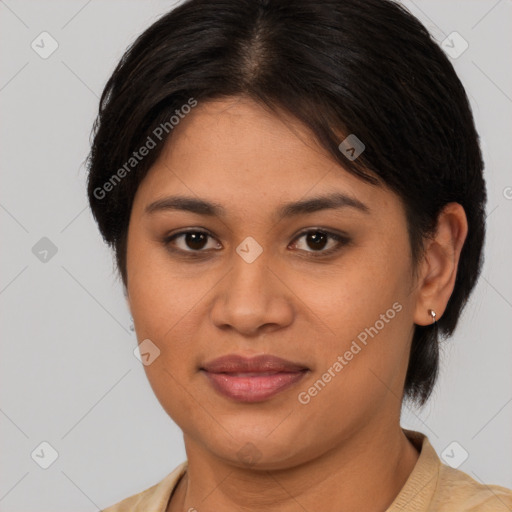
(431, 487)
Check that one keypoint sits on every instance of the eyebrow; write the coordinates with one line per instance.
(211, 209)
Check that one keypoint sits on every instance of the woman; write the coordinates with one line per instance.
(295, 197)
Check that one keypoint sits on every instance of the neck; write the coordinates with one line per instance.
(364, 472)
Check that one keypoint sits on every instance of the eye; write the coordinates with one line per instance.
(191, 241)
(318, 239)
(196, 241)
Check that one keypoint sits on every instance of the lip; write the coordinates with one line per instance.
(252, 379)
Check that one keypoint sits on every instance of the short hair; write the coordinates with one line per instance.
(341, 67)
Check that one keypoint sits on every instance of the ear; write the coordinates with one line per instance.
(438, 268)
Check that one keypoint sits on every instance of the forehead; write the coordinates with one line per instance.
(234, 151)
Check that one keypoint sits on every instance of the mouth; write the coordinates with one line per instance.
(253, 379)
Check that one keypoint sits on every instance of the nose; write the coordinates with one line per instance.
(253, 299)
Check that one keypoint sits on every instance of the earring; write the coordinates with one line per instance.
(432, 313)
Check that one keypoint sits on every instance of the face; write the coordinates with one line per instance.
(327, 288)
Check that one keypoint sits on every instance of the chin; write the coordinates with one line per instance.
(256, 447)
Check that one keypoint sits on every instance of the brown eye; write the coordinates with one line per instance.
(190, 241)
(316, 240)
(196, 241)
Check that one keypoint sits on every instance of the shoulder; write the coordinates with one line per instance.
(456, 490)
(436, 487)
(153, 499)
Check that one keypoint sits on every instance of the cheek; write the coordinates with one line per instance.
(159, 297)
(365, 316)
(165, 311)
(165, 304)
(365, 285)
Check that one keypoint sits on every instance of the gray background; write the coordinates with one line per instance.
(68, 373)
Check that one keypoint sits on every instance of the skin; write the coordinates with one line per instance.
(345, 448)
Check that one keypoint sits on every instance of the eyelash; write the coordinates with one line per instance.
(342, 240)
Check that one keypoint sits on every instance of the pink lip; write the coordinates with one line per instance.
(252, 379)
